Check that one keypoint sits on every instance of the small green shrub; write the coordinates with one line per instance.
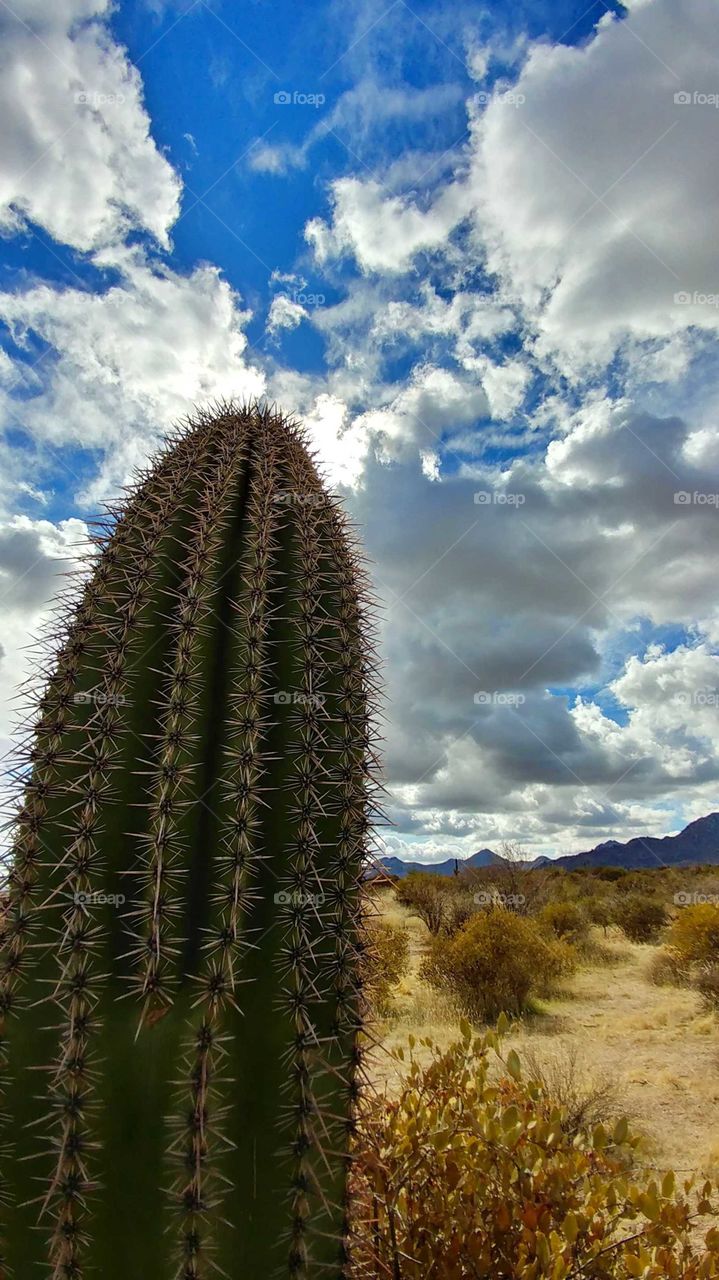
(497, 963)
(640, 918)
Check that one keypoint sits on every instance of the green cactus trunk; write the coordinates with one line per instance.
(179, 968)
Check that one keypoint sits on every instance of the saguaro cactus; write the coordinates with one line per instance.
(179, 983)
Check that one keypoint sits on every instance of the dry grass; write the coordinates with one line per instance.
(652, 1048)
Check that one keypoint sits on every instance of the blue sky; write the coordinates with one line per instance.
(474, 250)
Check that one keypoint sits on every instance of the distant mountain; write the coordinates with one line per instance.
(482, 858)
(699, 842)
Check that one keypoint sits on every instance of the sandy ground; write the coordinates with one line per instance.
(654, 1045)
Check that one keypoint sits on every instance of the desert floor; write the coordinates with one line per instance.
(654, 1047)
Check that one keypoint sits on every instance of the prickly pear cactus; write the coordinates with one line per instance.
(179, 985)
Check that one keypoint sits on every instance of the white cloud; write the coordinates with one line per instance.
(384, 232)
(34, 554)
(284, 313)
(433, 400)
(525, 598)
(341, 445)
(593, 197)
(505, 384)
(78, 158)
(589, 191)
(128, 362)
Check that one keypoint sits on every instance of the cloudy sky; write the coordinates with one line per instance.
(475, 250)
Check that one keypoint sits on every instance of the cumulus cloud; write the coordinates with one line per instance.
(126, 363)
(341, 445)
(78, 156)
(593, 196)
(587, 185)
(284, 313)
(35, 558)
(432, 400)
(384, 232)
(33, 555)
(496, 609)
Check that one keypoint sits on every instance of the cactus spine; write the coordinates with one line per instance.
(179, 991)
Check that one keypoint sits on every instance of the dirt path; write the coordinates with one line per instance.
(654, 1044)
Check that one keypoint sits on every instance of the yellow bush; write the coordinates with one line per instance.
(385, 962)
(695, 934)
(564, 919)
(497, 962)
(466, 1175)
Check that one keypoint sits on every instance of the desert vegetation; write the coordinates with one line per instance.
(475, 1169)
(545, 1078)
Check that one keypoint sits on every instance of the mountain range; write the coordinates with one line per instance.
(697, 843)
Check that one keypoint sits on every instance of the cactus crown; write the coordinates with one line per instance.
(179, 985)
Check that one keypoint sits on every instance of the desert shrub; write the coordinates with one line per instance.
(466, 1175)
(425, 895)
(565, 920)
(644, 881)
(695, 934)
(667, 968)
(497, 962)
(517, 885)
(585, 1098)
(598, 910)
(459, 908)
(707, 984)
(640, 918)
(610, 874)
(385, 962)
